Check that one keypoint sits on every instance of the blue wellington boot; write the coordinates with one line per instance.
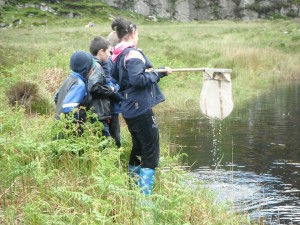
(146, 181)
(134, 174)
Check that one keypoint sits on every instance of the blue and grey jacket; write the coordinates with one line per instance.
(139, 89)
(70, 95)
(72, 92)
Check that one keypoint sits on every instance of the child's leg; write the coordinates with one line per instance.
(145, 142)
(105, 130)
(114, 129)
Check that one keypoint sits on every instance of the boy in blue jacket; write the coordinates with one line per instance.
(72, 92)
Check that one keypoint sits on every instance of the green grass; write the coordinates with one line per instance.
(49, 182)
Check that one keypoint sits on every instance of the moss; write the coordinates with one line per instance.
(292, 14)
(270, 10)
(258, 8)
(199, 4)
(276, 16)
(172, 7)
(215, 8)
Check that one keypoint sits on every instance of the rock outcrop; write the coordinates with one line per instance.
(187, 10)
(180, 10)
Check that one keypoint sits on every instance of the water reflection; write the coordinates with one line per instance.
(252, 158)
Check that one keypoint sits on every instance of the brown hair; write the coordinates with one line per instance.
(98, 43)
(123, 27)
(113, 38)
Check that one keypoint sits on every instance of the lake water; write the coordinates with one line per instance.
(251, 158)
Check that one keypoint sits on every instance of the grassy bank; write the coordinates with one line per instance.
(52, 182)
(45, 181)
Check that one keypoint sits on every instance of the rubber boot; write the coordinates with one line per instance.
(146, 181)
(134, 175)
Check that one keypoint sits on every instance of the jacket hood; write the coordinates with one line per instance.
(77, 75)
(81, 62)
(119, 48)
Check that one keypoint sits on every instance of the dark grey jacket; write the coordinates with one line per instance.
(99, 105)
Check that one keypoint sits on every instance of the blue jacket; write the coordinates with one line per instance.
(70, 95)
(72, 92)
(139, 89)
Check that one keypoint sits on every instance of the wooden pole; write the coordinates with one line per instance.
(195, 70)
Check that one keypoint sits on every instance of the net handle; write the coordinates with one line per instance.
(196, 70)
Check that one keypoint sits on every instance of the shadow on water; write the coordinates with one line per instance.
(251, 158)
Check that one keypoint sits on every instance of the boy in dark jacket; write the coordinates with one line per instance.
(99, 87)
(72, 92)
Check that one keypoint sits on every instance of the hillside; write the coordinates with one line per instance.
(27, 13)
(35, 13)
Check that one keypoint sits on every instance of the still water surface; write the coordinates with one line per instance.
(251, 158)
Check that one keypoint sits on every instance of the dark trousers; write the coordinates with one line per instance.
(105, 130)
(114, 129)
(145, 140)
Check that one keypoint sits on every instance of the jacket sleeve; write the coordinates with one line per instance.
(135, 65)
(107, 67)
(101, 91)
